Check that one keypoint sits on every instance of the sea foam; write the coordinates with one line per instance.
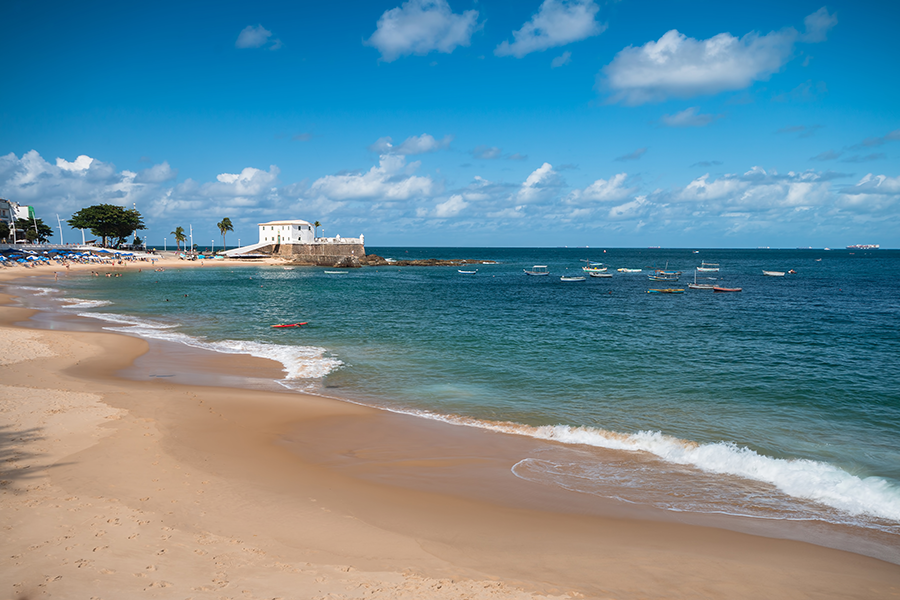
(299, 362)
(817, 481)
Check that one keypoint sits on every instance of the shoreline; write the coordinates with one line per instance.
(318, 482)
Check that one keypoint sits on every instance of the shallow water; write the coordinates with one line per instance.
(775, 402)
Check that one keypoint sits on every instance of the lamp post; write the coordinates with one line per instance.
(164, 245)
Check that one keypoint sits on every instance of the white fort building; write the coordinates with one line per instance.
(296, 240)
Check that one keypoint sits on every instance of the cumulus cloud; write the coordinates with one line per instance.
(451, 208)
(156, 174)
(256, 37)
(636, 155)
(688, 118)
(542, 184)
(390, 180)
(420, 27)
(682, 67)
(602, 190)
(556, 23)
(487, 152)
(413, 145)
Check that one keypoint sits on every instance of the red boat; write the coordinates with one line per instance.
(721, 289)
(291, 325)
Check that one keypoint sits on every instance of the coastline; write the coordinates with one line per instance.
(282, 494)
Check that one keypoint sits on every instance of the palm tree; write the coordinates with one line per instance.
(225, 226)
(179, 237)
(316, 225)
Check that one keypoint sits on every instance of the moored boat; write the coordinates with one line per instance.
(774, 273)
(537, 270)
(665, 291)
(467, 272)
(572, 278)
(724, 289)
(602, 275)
(629, 270)
(708, 267)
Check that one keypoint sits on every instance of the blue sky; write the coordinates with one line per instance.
(455, 122)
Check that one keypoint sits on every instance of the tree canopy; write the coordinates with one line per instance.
(179, 237)
(108, 220)
(35, 230)
(4, 231)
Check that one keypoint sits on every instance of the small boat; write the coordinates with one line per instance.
(571, 278)
(701, 286)
(774, 273)
(336, 272)
(594, 267)
(602, 275)
(629, 270)
(664, 276)
(537, 270)
(467, 272)
(708, 267)
(665, 291)
(290, 325)
(724, 289)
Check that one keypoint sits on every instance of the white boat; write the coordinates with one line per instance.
(629, 270)
(572, 278)
(708, 267)
(603, 275)
(467, 272)
(594, 267)
(774, 273)
(336, 272)
(537, 270)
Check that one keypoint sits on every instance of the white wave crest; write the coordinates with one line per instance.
(37, 291)
(298, 362)
(78, 303)
(801, 478)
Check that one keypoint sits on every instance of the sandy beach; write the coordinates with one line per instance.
(120, 487)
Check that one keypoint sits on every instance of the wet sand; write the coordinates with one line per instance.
(116, 484)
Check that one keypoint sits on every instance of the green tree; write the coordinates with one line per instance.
(316, 225)
(179, 237)
(4, 231)
(35, 230)
(225, 226)
(108, 220)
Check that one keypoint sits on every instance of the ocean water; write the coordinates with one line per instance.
(778, 402)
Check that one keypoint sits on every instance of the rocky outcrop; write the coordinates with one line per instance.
(373, 260)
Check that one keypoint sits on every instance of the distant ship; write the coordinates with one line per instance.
(863, 247)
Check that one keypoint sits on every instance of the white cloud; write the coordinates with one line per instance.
(256, 37)
(420, 27)
(82, 163)
(412, 145)
(876, 184)
(683, 67)
(602, 190)
(451, 207)
(542, 184)
(687, 118)
(390, 180)
(557, 23)
(818, 25)
(634, 209)
(562, 59)
(156, 174)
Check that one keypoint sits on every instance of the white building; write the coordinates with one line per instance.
(286, 232)
(298, 232)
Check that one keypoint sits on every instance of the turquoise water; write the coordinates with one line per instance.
(780, 401)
